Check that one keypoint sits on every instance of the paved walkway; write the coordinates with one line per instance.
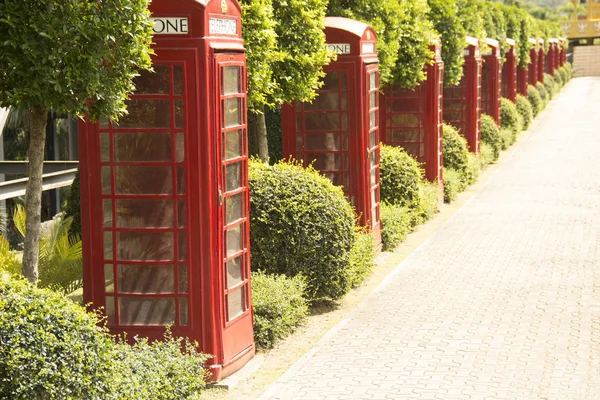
(502, 301)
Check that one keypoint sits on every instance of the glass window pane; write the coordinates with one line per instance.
(372, 119)
(234, 240)
(143, 146)
(373, 100)
(324, 101)
(373, 177)
(180, 179)
(156, 82)
(322, 141)
(106, 188)
(233, 207)
(234, 272)
(233, 144)
(344, 101)
(143, 180)
(343, 81)
(233, 176)
(146, 213)
(109, 278)
(183, 311)
(146, 311)
(182, 245)
(231, 80)
(146, 113)
(107, 211)
(322, 122)
(372, 81)
(178, 79)
(145, 246)
(104, 146)
(110, 310)
(179, 114)
(181, 213)
(179, 147)
(325, 162)
(236, 303)
(108, 245)
(299, 142)
(232, 112)
(183, 279)
(344, 122)
(146, 278)
(373, 139)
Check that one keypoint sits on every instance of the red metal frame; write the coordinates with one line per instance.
(552, 56)
(491, 76)
(462, 103)
(541, 61)
(533, 64)
(339, 130)
(412, 119)
(562, 52)
(170, 165)
(522, 80)
(509, 72)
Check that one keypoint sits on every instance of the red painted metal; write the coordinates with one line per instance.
(412, 119)
(164, 193)
(533, 64)
(552, 56)
(509, 72)
(462, 103)
(522, 80)
(563, 51)
(541, 61)
(338, 133)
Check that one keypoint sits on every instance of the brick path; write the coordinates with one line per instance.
(502, 301)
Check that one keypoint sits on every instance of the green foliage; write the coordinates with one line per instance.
(486, 156)
(279, 307)
(564, 75)
(453, 184)
(558, 79)
(51, 348)
(490, 134)
(9, 259)
(400, 176)
(171, 369)
(396, 224)
(428, 204)
(470, 15)
(60, 254)
(362, 257)
(444, 16)
(273, 123)
(569, 69)
(473, 169)
(72, 56)
(300, 224)
(535, 99)
(509, 116)
(525, 111)
(455, 149)
(543, 94)
(494, 22)
(507, 137)
(73, 208)
(550, 85)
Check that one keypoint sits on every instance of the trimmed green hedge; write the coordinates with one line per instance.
(400, 176)
(300, 224)
(509, 117)
(490, 134)
(543, 94)
(453, 184)
(396, 224)
(525, 111)
(455, 149)
(535, 99)
(362, 257)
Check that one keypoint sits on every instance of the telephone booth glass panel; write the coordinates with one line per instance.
(143, 175)
(455, 105)
(373, 145)
(322, 133)
(233, 195)
(405, 119)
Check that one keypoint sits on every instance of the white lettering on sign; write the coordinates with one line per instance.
(368, 48)
(339, 48)
(222, 26)
(170, 26)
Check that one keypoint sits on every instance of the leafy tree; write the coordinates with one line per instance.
(76, 57)
(470, 15)
(446, 21)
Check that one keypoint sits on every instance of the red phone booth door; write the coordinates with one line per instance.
(455, 105)
(144, 201)
(373, 149)
(233, 204)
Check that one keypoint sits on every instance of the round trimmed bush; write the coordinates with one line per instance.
(362, 257)
(550, 85)
(300, 224)
(279, 306)
(490, 134)
(396, 224)
(558, 79)
(455, 149)
(453, 184)
(535, 99)
(564, 75)
(509, 116)
(400, 176)
(543, 94)
(50, 348)
(525, 111)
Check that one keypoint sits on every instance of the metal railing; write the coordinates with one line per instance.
(56, 174)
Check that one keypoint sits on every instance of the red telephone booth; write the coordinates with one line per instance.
(541, 61)
(533, 64)
(164, 191)
(563, 51)
(552, 56)
(339, 131)
(491, 77)
(412, 119)
(462, 103)
(557, 48)
(509, 72)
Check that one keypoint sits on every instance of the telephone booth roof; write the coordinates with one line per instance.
(494, 45)
(471, 41)
(511, 42)
(362, 37)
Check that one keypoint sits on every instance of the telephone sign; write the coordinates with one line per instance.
(170, 26)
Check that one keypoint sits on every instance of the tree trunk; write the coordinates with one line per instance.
(33, 194)
(257, 135)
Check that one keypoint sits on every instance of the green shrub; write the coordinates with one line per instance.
(428, 204)
(473, 169)
(525, 111)
(273, 125)
(543, 94)
(453, 184)
(362, 257)
(558, 79)
(508, 137)
(396, 224)
(535, 99)
(455, 149)
(569, 69)
(400, 176)
(300, 224)
(170, 369)
(564, 75)
(73, 208)
(509, 116)
(9, 259)
(279, 306)
(50, 348)
(490, 134)
(550, 85)
(487, 154)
